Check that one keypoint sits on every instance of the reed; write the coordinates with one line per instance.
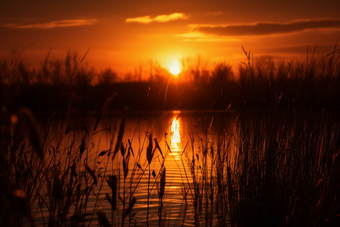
(282, 156)
(279, 167)
(47, 170)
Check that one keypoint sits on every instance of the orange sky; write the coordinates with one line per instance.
(123, 34)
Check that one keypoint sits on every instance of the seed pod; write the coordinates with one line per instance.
(119, 137)
(82, 146)
(112, 182)
(103, 153)
(122, 149)
(149, 152)
(125, 167)
(91, 172)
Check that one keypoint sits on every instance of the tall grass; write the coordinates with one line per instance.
(287, 155)
(278, 168)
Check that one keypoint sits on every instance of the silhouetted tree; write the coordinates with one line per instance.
(107, 77)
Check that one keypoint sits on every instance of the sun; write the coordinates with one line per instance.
(175, 69)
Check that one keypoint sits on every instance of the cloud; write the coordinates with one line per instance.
(143, 20)
(160, 18)
(301, 49)
(259, 29)
(195, 36)
(55, 24)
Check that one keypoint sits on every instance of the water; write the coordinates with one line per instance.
(181, 136)
(217, 173)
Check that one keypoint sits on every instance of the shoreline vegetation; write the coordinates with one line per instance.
(68, 85)
(280, 168)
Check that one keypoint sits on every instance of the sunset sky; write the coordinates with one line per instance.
(123, 34)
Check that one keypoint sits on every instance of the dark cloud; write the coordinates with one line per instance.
(267, 28)
(54, 24)
(302, 49)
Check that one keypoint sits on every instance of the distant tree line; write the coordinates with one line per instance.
(259, 83)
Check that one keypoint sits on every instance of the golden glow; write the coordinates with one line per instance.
(159, 18)
(175, 69)
(175, 139)
(176, 136)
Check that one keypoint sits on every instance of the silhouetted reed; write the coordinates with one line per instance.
(279, 167)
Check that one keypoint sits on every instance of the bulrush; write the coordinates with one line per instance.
(149, 155)
(119, 137)
(150, 152)
(112, 182)
(161, 195)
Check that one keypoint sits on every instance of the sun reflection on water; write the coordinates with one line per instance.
(176, 138)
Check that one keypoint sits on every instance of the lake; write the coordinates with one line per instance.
(183, 136)
(259, 167)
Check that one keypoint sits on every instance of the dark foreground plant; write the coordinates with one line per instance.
(278, 168)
